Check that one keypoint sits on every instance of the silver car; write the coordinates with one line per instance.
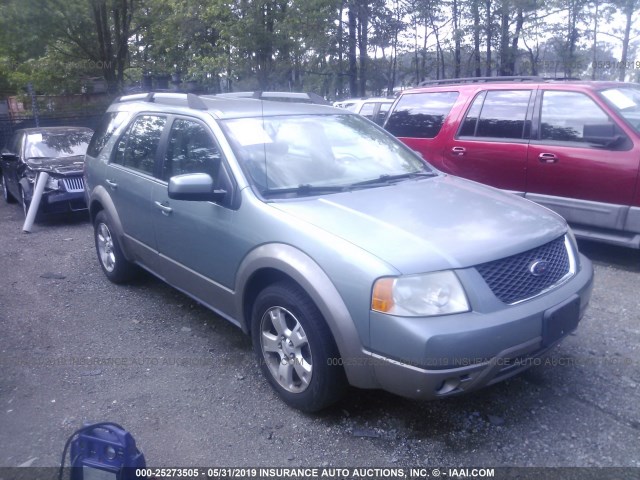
(345, 256)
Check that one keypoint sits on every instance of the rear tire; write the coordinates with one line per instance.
(295, 348)
(113, 262)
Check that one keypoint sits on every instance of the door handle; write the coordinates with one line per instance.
(458, 151)
(112, 184)
(547, 158)
(166, 210)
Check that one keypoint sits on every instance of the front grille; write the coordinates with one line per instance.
(73, 184)
(511, 278)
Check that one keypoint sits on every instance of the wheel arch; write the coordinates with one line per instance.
(99, 201)
(271, 263)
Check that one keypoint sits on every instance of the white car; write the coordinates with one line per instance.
(374, 108)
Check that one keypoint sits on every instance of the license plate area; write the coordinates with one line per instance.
(560, 321)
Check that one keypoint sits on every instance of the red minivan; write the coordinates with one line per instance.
(571, 146)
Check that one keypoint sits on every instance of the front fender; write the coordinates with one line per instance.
(311, 277)
(101, 200)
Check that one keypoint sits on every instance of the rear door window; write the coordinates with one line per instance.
(497, 114)
(138, 146)
(420, 115)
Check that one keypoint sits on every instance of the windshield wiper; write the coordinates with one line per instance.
(304, 189)
(387, 179)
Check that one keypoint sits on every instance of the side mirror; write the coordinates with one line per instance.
(9, 156)
(194, 187)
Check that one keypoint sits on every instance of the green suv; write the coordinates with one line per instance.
(345, 256)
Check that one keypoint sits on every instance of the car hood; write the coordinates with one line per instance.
(61, 165)
(431, 224)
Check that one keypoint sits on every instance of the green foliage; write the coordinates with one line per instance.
(58, 45)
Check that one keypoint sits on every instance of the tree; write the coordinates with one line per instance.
(629, 9)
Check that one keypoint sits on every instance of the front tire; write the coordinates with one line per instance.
(295, 348)
(8, 198)
(113, 262)
(25, 203)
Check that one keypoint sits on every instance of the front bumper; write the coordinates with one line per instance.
(428, 358)
(62, 202)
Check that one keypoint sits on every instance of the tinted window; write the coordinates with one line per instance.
(190, 150)
(470, 122)
(502, 114)
(558, 119)
(137, 148)
(420, 115)
(110, 122)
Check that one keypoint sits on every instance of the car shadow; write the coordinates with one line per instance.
(611, 255)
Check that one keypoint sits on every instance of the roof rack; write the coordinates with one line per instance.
(447, 81)
(515, 79)
(306, 97)
(191, 100)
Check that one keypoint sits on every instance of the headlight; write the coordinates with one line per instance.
(437, 293)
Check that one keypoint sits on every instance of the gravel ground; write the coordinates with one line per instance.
(76, 348)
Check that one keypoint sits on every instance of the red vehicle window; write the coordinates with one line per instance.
(497, 114)
(420, 115)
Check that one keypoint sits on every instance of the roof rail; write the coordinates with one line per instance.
(306, 97)
(170, 98)
(561, 79)
(448, 81)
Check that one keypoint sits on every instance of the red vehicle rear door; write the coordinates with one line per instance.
(491, 143)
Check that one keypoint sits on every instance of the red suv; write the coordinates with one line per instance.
(571, 146)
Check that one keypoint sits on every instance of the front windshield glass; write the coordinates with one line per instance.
(311, 153)
(626, 101)
(57, 144)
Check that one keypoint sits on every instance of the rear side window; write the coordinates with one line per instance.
(420, 115)
(110, 122)
(497, 114)
(137, 147)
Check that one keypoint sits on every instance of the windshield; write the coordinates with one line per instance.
(311, 154)
(57, 145)
(626, 101)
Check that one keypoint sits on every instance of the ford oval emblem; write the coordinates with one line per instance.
(539, 267)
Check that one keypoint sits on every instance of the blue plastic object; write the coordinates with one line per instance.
(104, 451)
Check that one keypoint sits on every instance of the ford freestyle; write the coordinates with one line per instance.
(345, 256)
